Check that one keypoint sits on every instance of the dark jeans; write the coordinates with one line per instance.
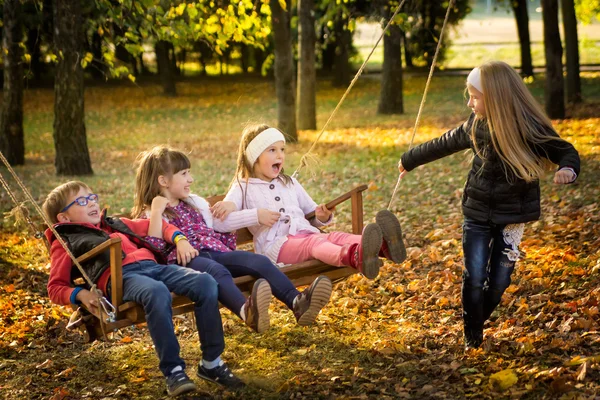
(224, 266)
(150, 284)
(487, 271)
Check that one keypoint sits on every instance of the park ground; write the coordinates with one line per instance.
(398, 336)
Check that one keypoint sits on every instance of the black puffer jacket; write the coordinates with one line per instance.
(489, 196)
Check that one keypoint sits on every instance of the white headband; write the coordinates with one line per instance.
(261, 142)
(474, 79)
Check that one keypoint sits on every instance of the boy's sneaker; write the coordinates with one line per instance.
(179, 383)
(256, 309)
(221, 375)
(309, 303)
(393, 246)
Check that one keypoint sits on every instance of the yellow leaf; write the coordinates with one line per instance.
(504, 379)
(283, 5)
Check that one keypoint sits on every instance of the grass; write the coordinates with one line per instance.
(397, 336)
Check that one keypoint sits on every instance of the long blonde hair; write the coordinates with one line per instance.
(515, 121)
(243, 170)
(153, 163)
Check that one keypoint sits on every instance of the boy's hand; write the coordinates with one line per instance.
(221, 209)
(322, 213)
(185, 252)
(267, 217)
(564, 176)
(159, 203)
(89, 300)
(401, 169)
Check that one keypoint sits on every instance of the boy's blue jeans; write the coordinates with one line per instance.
(487, 271)
(150, 284)
(224, 266)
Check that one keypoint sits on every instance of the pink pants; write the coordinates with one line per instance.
(326, 247)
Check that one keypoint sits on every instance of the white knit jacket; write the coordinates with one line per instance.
(291, 201)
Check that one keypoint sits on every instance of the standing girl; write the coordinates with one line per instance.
(512, 141)
(261, 183)
(163, 180)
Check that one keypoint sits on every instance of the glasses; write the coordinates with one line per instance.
(82, 201)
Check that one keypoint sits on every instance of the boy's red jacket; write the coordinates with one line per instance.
(60, 285)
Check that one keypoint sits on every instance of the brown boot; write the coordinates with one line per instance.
(257, 306)
(364, 256)
(309, 303)
(368, 251)
(393, 246)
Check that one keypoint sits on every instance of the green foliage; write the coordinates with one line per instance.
(587, 10)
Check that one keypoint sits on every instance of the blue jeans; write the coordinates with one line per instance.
(487, 271)
(150, 284)
(224, 266)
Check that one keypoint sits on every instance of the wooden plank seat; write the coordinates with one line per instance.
(130, 313)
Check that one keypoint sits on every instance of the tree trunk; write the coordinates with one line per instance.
(522, 18)
(165, 69)
(572, 48)
(12, 143)
(555, 87)
(284, 70)
(307, 75)
(342, 74)
(390, 98)
(70, 142)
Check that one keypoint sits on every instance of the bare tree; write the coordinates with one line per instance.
(284, 70)
(555, 89)
(572, 47)
(307, 75)
(12, 143)
(390, 99)
(522, 18)
(70, 141)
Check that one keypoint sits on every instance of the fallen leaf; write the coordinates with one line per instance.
(504, 379)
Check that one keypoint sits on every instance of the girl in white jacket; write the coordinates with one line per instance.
(162, 191)
(284, 235)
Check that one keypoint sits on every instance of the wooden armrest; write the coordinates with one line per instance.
(340, 199)
(98, 249)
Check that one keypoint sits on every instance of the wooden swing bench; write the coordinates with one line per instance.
(130, 313)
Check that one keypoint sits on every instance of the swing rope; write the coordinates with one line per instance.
(433, 63)
(105, 305)
(303, 161)
(21, 209)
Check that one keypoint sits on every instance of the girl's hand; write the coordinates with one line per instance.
(564, 176)
(159, 203)
(401, 169)
(221, 209)
(267, 217)
(322, 213)
(185, 252)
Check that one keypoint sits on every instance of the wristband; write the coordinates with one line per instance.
(73, 297)
(178, 238)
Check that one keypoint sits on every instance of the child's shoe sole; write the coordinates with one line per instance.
(319, 297)
(262, 295)
(371, 241)
(392, 234)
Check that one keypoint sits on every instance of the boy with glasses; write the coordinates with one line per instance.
(74, 210)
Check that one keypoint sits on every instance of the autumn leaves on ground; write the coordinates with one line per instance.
(398, 336)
